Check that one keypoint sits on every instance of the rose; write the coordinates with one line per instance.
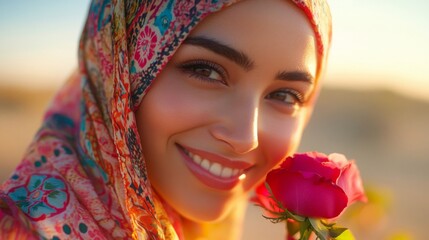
(315, 185)
(306, 190)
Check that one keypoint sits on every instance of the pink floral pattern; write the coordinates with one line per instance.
(146, 44)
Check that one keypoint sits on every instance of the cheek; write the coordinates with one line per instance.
(171, 107)
(281, 137)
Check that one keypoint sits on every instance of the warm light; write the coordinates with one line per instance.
(242, 176)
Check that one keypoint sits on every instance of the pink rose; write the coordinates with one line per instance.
(315, 185)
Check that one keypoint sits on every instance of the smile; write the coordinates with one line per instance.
(213, 170)
(213, 167)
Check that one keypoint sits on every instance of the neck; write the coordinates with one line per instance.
(229, 228)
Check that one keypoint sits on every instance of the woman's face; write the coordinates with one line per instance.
(229, 106)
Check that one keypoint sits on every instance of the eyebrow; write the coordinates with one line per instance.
(242, 59)
(295, 76)
(220, 48)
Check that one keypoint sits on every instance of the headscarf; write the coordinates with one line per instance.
(84, 175)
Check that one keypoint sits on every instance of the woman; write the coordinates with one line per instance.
(169, 125)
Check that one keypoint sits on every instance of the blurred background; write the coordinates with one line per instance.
(374, 107)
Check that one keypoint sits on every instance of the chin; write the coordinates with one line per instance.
(210, 214)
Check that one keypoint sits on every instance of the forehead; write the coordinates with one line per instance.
(274, 30)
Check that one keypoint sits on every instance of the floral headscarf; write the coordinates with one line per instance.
(84, 175)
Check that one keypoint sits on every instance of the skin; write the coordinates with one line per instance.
(252, 112)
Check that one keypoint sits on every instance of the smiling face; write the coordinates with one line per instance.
(229, 106)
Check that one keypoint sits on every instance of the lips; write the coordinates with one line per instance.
(213, 170)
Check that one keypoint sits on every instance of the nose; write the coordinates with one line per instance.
(238, 128)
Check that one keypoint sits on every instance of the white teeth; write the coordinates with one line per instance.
(214, 168)
(205, 164)
(197, 159)
(226, 172)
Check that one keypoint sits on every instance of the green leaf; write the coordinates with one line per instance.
(303, 227)
(327, 224)
(336, 231)
(295, 217)
(292, 227)
(305, 235)
(320, 229)
(346, 235)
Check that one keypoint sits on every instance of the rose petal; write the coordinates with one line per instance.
(351, 182)
(311, 197)
(338, 159)
(263, 199)
(312, 163)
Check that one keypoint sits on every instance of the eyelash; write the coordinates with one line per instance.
(298, 97)
(191, 67)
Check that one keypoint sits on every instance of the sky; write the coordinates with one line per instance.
(376, 44)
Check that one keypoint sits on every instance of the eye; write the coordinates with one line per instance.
(205, 71)
(287, 96)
